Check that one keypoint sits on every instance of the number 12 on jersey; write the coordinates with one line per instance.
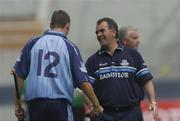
(48, 67)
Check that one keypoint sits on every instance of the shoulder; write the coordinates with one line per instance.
(71, 47)
(31, 42)
(92, 57)
(133, 52)
(70, 44)
(135, 55)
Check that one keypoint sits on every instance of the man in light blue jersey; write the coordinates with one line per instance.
(53, 67)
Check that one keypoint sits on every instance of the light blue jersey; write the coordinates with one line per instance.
(52, 65)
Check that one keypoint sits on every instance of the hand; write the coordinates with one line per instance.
(88, 102)
(97, 111)
(12, 71)
(154, 107)
(88, 109)
(19, 112)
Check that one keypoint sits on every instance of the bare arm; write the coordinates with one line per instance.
(19, 111)
(150, 92)
(88, 90)
(20, 84)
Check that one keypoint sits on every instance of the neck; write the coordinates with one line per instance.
(59, 30)
(112, 47)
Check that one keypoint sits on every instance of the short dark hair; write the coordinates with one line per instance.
(59, 19)
(111, 24)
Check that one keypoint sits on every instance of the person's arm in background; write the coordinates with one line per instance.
(19, 111)
(88, 90)
(21, 69)
(144, 77)
(150, 92)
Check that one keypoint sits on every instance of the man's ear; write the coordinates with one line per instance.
(114, 32)
(124, 41)
(51, 26)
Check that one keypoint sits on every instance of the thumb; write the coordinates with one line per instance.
(150, 108)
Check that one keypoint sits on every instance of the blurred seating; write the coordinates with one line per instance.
(14, 34)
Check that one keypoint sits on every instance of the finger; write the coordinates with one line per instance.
(150, 108)
(19, 114)
(155, 114)
(21, 117)
(12, 71)
(156, 118)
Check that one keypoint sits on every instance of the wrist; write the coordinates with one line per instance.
(96, 106)
(153, 103)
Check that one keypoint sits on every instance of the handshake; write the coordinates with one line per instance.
(92, 111)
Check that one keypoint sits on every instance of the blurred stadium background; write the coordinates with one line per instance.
(157, 20)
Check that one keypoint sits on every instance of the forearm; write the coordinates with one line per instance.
(19, 111)
(20, 83)
(87, 101)
(150, 91)
(88, 90)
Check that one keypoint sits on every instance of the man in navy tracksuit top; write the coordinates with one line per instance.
(118, 74)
